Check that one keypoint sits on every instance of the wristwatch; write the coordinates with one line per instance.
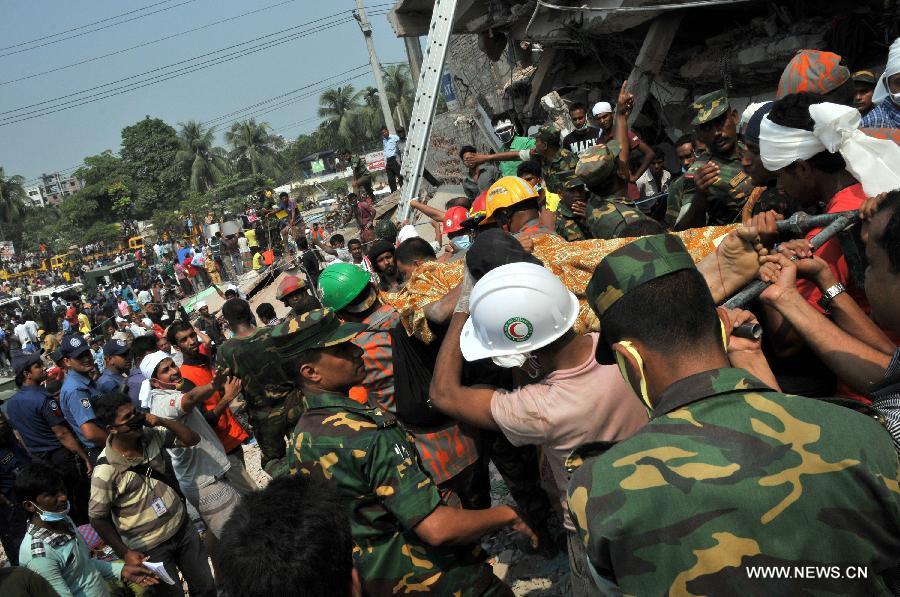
(829, 295)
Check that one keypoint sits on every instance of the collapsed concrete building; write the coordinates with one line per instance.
(505, 55)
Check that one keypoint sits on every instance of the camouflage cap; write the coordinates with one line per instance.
(318, 328)
(597, 163)
(865, 77)
(547, 133)
(812, 71)
(629, 267)
(710, 106)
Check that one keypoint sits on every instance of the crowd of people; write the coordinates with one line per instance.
(574, 333)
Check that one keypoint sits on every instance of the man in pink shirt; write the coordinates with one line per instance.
(522, 316)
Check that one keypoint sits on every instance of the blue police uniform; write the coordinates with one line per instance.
(13, 521)
(34, 413)
(75, 398)
(109, 381)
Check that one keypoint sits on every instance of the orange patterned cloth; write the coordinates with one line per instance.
(572, 262)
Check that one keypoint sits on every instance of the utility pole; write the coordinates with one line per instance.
(366, 28)
(414, 55)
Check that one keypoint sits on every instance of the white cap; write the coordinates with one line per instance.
(408, 231)
(231, 287)
(121, 320)
(601, 108)
(200, 304)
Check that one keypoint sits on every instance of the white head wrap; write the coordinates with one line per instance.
(891, 69)
(408, 231)
(873, 162)
(601, 108)
(148, 366)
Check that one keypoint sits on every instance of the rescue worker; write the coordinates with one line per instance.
(293, 292)
(512, 204)
(406, 539)
(729, 474)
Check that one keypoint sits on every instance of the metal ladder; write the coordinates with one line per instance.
(419, 132)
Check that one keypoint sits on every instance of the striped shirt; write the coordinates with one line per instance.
(885, 115)
(128, 498)
(886, 399)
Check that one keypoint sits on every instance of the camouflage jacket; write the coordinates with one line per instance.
(730, 474)
(358, 166)
(558, 170)
(606, 216)
(568, 225)
(256, 362)
(727, 195)
(372, 460)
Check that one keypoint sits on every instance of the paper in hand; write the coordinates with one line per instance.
(159, 569)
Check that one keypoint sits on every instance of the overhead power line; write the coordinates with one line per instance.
(21, 114)
(89, 31)
(124, 14)
(145, 44)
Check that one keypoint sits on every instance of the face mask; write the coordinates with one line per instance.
(461, 243)
(510, 361)
(623, 369)
(895, 97)
(582, 126)
(52, 516)
(168, 385)
(506, 135)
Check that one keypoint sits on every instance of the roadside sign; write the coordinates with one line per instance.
(375, 161)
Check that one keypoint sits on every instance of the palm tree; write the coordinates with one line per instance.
(12, 197)
(207, 164)
(400, 91)
(334, 106)
(252, 141)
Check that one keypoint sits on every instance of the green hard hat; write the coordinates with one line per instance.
(340, 283)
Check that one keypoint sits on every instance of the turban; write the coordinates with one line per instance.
(873, 162)
(891, 69)
(148, 367)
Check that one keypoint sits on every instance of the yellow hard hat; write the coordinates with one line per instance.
(507, 191)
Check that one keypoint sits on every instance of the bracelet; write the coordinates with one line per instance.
(829, 295)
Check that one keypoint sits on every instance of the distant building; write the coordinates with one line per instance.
(52, 189)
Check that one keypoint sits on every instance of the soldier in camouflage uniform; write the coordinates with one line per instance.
(729, 473)
(557, 163)
(606, 211)
(361, 178)
(272, 399)
(716, 180)
(396, 513)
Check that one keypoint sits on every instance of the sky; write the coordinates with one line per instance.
(59, 141)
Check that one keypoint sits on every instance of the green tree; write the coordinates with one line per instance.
(253, 147)
(103, 168)
(335, 105)
(400, 91)
(204, 164)
(148, 153)
(12, 197)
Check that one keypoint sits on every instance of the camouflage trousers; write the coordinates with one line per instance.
(270, 427)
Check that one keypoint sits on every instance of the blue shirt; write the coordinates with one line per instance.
(135, 379)
(390, 146)
(75, 398)
(33, 413)
(13, 458)
(110, 381)
(885, 115)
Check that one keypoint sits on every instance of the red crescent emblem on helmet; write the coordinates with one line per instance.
(518, 330)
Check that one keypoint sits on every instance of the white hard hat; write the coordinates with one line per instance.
(200, 305)
(516, 308)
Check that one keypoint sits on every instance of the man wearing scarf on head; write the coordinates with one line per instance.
(886, 113)
(820, 156)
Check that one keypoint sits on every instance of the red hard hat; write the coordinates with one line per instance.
(479, 206)
(288, 285)
(453, 219)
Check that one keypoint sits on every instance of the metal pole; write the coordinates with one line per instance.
(376, 66)
(755, 288)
